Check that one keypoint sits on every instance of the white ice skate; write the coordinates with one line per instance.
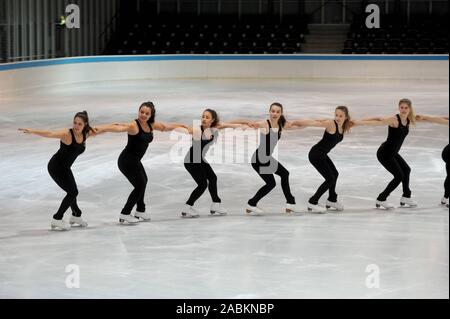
(189, 212)
(408, 202)
(78, 221)
(444, 202)
(384, 204)
(59, 224)
(316, 209)
(128, 219)
(217, 209)
(254, 211)
(142, 216)
(336, 205)
(292, 208)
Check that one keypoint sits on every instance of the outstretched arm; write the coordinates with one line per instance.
(240, 121)
(252, 124)
(49, 134)
(307, 123)
(165, 127)
(432, 119)
(223, 125)
(113, 128)
(374, 121)
(367, 123)
(184, 129)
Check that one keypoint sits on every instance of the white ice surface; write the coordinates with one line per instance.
(237, 256)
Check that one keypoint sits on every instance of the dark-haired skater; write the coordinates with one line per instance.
(265, 164)
(197, 166)
(72, 144)
(140, 135)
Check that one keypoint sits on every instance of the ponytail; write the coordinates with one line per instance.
(214, 115)
(282, 119)
(85, 117)
(151, 106)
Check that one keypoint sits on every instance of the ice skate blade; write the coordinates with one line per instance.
(313, 211)
(184, 215)
(214, 213)
(291, 211)
(73, 224)
(333, 209)
(252, 213)
(56, 228)
(404, 205)
(125, 223)
(378, 206)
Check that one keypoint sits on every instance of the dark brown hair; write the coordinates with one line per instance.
(84, 116)
(151, 106)
(214, 116)
(282, 119)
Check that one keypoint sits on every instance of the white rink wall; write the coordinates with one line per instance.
(23, 75)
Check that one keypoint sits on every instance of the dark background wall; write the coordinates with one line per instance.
(30, 28)
(321, 11)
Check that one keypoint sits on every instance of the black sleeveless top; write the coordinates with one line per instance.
(67, 154)
(201, 148)
(445, 154)
(269, 141)
(137, 144)
(329, 141)
(396, 135)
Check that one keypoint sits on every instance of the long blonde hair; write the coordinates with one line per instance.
(412, 114)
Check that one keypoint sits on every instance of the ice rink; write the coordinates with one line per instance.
(274, 256)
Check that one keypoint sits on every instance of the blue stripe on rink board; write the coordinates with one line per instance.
(137, 58)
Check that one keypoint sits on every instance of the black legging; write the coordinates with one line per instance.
(397, 166)
(135, 173)
(64, 178)
(204, 176)
(266, 173)
(446, 183)
(326, 168)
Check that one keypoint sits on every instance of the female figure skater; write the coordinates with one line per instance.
(318, 155)
(388, 155)
(72, 144)
(140, 135)
(444, 121)
(196, 164)
(265, 164)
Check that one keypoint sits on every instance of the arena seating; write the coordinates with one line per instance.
(422, 34)
(209, 35)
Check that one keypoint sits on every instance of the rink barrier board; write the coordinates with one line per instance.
(19, 75)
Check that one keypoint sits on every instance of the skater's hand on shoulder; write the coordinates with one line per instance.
(94, 132)
(420, 117)
(25, 130)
